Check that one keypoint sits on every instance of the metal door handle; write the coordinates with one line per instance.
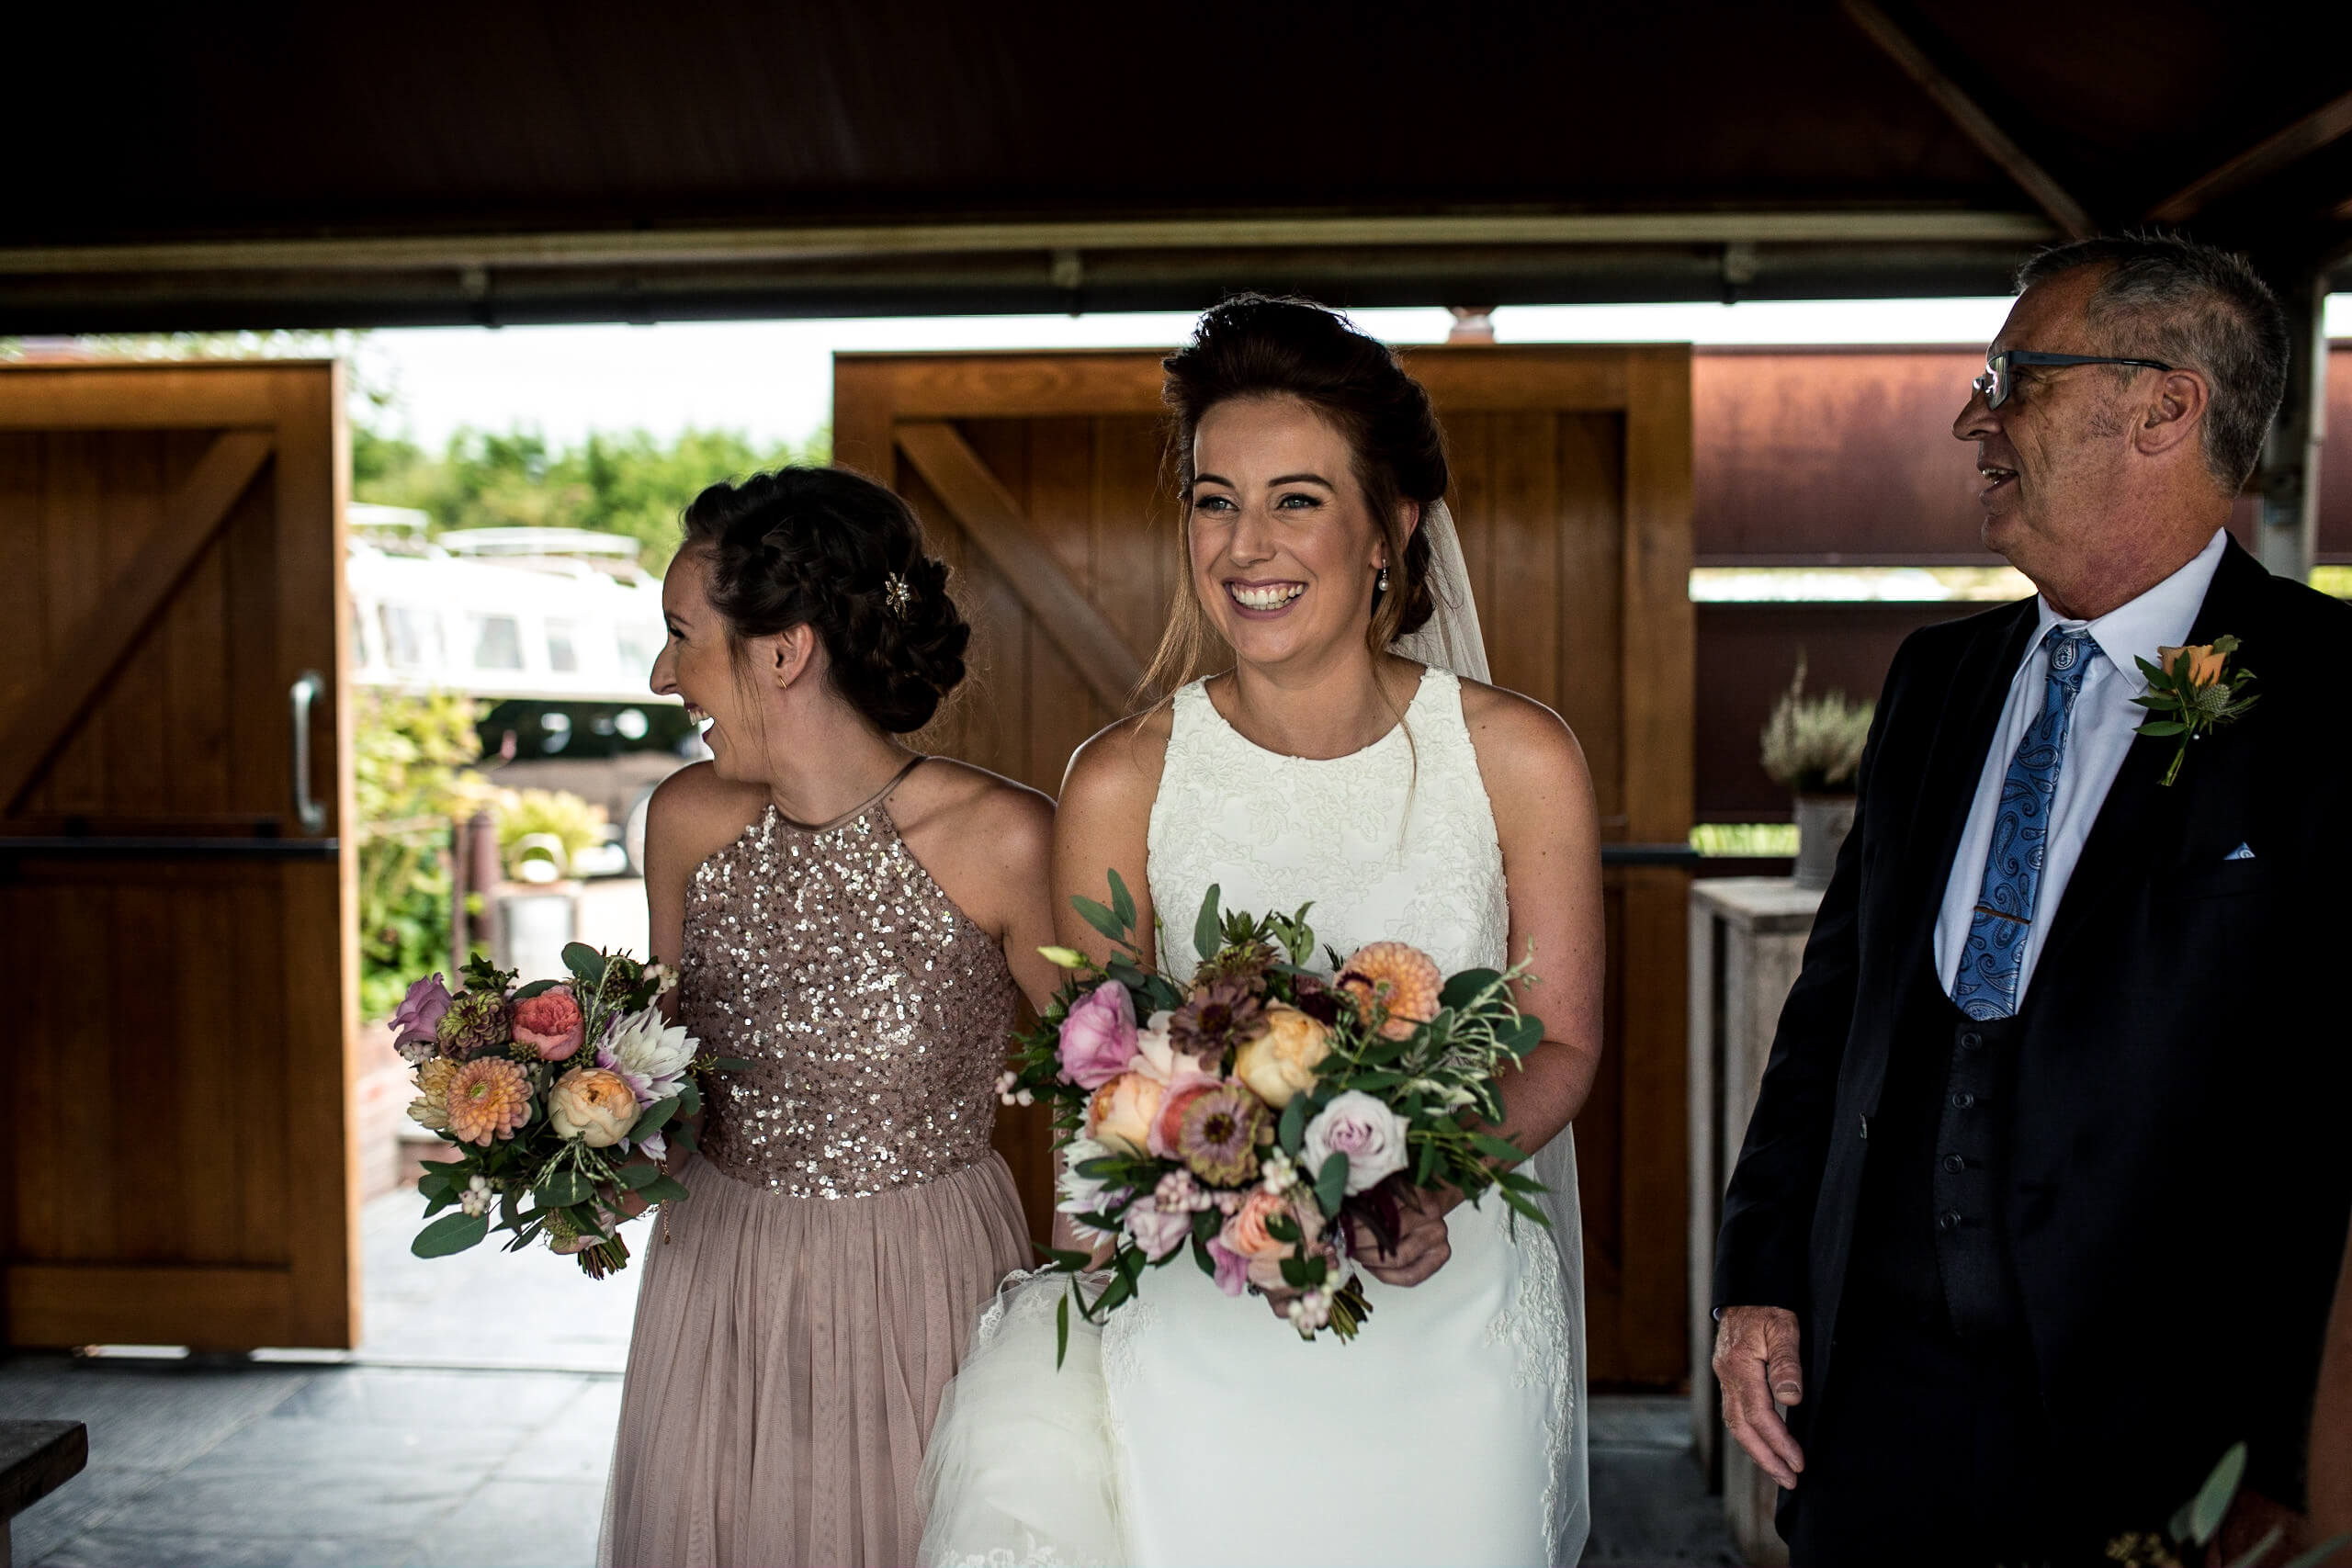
(308, 686)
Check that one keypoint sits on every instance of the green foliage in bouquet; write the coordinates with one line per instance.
(547, 1105)
(2192, 1529)
(1254, 1079)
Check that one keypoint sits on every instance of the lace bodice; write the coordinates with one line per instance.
(1396, 841)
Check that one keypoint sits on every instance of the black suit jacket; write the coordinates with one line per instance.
(2179, 1166)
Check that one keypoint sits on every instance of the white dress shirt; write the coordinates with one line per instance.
(2096, 736)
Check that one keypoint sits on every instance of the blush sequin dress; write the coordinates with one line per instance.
(848, 1216)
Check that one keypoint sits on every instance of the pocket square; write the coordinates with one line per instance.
(2241, 853)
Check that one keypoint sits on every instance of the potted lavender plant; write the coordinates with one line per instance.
(1812, 747)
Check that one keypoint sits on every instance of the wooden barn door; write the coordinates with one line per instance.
(1043, 478)
(175, 879)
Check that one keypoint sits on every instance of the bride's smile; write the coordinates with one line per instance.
(1284, 551)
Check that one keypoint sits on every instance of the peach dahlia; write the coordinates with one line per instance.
(489, 1098)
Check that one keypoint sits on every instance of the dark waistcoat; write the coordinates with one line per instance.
(1930, 1239)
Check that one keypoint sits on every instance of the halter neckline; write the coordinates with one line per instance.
(854, 812)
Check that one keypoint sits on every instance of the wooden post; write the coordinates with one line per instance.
(2287, 505)
(477, 855)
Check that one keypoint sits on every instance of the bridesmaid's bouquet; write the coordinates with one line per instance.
(1243, 1117)
(559, 1096)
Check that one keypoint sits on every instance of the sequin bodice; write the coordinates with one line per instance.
(874, 1013)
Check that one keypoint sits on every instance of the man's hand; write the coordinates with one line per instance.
(1756, 1361)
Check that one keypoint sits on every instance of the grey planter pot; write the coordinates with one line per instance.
(1823, 822)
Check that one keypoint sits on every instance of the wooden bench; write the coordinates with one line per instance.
(36, 1459)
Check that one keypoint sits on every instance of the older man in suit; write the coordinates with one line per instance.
(2043, 1198)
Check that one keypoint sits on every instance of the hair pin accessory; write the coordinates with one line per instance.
(898, 595)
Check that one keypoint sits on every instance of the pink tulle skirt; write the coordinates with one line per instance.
(786, 1365)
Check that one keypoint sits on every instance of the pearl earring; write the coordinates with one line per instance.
(1381, 582)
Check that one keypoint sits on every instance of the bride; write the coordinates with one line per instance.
(1351, 756)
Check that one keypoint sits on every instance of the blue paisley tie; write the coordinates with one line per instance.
(1995, 959)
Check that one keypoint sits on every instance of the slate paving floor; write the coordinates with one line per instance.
(474, 1427)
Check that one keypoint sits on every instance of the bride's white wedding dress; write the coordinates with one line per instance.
(1195, 1428)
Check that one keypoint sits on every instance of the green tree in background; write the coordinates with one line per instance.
(634, 483)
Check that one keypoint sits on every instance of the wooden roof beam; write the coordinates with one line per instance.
(2325, 125)
(2070, 215)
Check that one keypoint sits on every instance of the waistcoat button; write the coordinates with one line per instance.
(1970, 1039)
(1955, 1164)
(1949, 1220)
(1963, 1100)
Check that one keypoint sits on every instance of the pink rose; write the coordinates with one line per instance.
(1099, 1036)
(1157, 1233)
(1356, 1125)
(1232, 1269)
(550, 1024)
(419, 1015)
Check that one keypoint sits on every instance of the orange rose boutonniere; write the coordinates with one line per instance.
(2191, 692)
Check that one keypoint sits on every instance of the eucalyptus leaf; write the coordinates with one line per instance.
(1063, 1258)
(689, 1099)
(557, 1188)
(1201, 1256)
(2211, 1504)
(1061, 1331)
(451, 1232)
(1295, 1274)
(433, 1183)
(662, 1188)
(1294, 1125)
(1466, 987)
(1282, 1227)
(1498, 1148)
(2162, 727)
(1332, 1183)
(654, 1117)
(729, 1064)
(637, 1177)
(535, 989)
(1101, 919)
(1123, 903)
(584, 961)
(2261, 1548)
(1208, 933)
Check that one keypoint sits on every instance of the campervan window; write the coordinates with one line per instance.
(563, 650)
(640, 643)
(498, 642)
(410, 642)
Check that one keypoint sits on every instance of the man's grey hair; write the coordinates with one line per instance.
(2196, 306)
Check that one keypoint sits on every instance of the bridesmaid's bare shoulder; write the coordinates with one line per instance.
(694, 813)
(985, 839)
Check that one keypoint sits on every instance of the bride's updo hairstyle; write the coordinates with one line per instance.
(826, 548)
(1254, 346)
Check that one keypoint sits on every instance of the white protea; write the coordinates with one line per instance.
(649, 1053)
(1083, 1194)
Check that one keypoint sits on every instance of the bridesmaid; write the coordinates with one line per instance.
(853, 919)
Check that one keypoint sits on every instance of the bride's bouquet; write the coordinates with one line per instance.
(559, 1096)
(1241, 1119)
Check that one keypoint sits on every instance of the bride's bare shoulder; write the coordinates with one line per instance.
(1518, 738)
(1118, 770)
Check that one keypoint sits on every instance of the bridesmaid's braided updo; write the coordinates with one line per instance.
(831, 550)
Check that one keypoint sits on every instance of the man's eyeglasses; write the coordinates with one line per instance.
(2000, 379)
